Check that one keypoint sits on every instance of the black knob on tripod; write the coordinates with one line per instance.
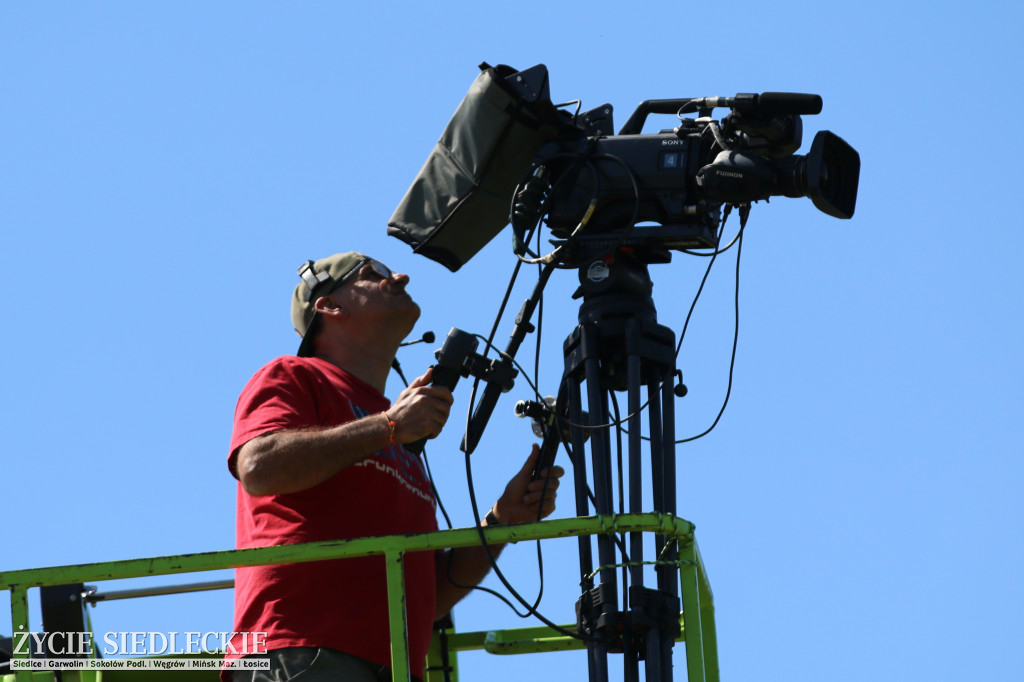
(680, 389)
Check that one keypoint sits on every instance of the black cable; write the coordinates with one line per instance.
(532, 173)
(619, 422)
(539, 328)
(426, 462)
(590, 494)
(542, 211)
(433, 488)
(736, 305)
(531, 609)
(636, 206)
(738, 239)
(700, 289)
(714, 253)
(735, 341)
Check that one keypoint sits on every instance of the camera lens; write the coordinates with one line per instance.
(823, 182)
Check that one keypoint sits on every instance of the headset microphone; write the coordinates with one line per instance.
(428, 337)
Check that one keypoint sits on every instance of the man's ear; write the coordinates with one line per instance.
(328, 305)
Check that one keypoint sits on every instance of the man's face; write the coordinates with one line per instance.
(373, 294)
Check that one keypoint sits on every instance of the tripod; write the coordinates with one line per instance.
(618, 346)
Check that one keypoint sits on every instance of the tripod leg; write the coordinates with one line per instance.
(597, 652)
(668, 574)
(660, 639)
(631, 652)
(597, 404)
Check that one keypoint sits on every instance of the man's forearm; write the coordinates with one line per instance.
(290, 461)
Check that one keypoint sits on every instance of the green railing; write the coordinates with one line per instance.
(698, 631)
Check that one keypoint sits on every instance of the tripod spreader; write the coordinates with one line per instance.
(650, 610)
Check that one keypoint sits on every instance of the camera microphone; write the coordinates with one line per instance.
(789, 103)
(765, 104)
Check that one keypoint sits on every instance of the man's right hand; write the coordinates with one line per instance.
(421, 410)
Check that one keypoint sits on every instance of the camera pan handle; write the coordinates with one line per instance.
(636, 120)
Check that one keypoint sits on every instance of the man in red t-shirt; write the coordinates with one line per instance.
(319, 455)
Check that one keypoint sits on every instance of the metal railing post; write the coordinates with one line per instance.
(19, 621)
(395, 561)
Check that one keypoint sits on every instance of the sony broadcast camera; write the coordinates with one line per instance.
(510, 155)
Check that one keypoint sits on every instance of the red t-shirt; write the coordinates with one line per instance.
(340, 604)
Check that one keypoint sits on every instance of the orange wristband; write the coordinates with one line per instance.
(391, 428)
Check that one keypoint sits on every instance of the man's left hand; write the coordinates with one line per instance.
(521, 502)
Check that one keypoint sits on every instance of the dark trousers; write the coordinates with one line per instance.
(312, 664)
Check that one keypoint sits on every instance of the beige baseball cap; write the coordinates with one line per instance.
(319, 278)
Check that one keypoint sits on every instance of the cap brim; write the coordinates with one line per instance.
(306, 347)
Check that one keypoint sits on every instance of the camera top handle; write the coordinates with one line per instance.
(764, 104)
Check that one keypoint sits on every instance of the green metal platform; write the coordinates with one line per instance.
(697, 617)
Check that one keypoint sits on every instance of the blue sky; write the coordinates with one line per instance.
(165, 167)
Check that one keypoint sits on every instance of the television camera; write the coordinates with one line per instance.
(507, 143)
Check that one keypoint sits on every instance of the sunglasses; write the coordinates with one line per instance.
(379, 269)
